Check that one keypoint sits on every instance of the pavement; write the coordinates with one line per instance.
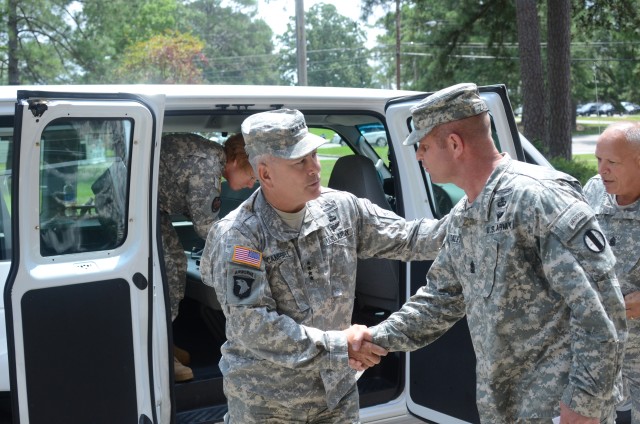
(584, 144)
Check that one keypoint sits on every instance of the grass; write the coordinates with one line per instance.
(587, 159)
(329, 155)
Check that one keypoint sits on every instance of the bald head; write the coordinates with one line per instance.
(626, 132)
(618, 154)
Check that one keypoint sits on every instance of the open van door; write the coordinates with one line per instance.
(84, 304)
(440, 378)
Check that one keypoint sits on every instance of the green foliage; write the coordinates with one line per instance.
(238, 46)
(171, 58)
(443, 42)
(605, 51)
(578, 169)
(336, 52)
(449, 42)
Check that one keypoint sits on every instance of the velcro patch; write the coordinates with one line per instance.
(246, 256)
(242, 283)
(594, 240)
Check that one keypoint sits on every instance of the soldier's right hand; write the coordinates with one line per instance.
(363, 353)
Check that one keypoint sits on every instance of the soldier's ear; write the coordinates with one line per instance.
(456, 143)
(264, 175)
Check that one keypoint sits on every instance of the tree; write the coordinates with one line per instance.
(67, 41)
(449, 42)
(38, 41)
(105, 29)
(171, 58)
(558, 137)
(337, 55)
(604, 50)
(531, 71)
(238, 45)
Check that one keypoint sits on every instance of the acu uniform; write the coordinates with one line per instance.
(190, 184)
(621, 225)
(287, 294)
(529, 266)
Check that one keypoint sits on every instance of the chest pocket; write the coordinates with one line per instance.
(285, 281)
(486, 271)
(476, 261)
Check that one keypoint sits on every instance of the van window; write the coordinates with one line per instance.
(6, 143)
(84, 167)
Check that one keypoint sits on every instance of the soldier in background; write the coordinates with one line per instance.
(190, 183)
(526, 261)
(614, 195)
(283, 265)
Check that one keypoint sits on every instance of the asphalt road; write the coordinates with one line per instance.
(582, 144)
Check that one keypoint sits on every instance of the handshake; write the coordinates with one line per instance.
(363, 353)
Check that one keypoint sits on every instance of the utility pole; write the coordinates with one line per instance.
(398, 45)
(301, 43)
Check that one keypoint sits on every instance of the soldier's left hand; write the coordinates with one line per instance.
(632, 305)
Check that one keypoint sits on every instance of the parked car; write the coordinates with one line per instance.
(374, 133)
(86, 334)
(609, 109)
(630, 108)
(517, 111)
(588, 109)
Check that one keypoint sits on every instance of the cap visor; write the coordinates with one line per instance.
(305, 146)
(416, 136)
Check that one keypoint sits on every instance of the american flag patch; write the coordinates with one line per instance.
(244, 255)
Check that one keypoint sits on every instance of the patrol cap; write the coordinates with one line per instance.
(281, 133)
(450, 104)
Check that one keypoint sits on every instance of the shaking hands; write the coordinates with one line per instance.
(363, 353)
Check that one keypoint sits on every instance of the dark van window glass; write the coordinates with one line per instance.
(83, 185)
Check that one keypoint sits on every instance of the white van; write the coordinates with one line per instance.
(88, 332)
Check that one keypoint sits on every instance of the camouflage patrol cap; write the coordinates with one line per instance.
(450, 104)
(281, 133)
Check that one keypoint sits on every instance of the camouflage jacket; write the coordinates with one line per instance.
(621, 225)
(190, 179)
(287, 294)
(529, 266)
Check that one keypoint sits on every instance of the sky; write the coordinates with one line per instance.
(276, 13)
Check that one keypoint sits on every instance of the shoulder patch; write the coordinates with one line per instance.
(594, 240)
(244, 255)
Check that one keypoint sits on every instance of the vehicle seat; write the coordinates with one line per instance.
(377, 284)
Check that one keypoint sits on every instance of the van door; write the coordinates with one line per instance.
(440, 378)
(84, 313)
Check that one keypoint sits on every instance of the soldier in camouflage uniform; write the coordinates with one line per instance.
(614, 195)
(190, 182)
(283, 266)
(525, 260)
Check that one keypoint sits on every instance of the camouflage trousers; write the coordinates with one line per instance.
(255, 409)
(631, 374)
(175, 264)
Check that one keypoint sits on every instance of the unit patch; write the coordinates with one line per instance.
(594, 240)
(244, 255)
(242, 282)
